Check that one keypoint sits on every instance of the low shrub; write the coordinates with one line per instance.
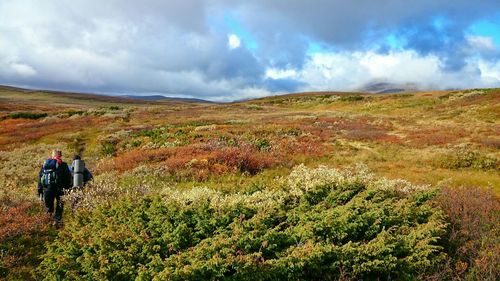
(30, 130)
(466, 158)
(103, 190)
(473, 239)
(21, 228)
(108, 147)
(320, 224)
(19, 170)
(351, 98)
(244, 160)
(27, 115)
(489, 142)
(262, 144)
(78, 144)
(136, 157)
(366, 135)
(19, 220)
(74, 112)
(430, 137)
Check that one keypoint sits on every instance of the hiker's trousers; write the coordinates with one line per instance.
(50, 197)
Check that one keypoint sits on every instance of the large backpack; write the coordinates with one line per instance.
(49, 174)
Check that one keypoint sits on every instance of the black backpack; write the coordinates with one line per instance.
(49, 174)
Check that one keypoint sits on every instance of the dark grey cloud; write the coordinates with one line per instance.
(117, 46)
(346, 24)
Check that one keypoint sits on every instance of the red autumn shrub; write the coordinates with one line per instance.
(365, 135)
(177, 162)
(489, 142)
(435, 136)
(27, 130)
(23, 233)
(287, 148)
(358, 123)
(473, 239)
(21, 219)
(243, 159)
(131, 159)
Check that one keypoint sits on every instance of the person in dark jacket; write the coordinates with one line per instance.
(53, 178)
(87, 175)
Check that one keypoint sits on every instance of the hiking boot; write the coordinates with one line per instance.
(47, 217)
(57, 224)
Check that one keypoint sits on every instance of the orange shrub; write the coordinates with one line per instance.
(131, 159)
(194, 161)
(199, 161)
(488, 142)
(365, 135)
(178, 162)
(243, 159)
(358, 123)
(474, 232)
(288, 148)
(435, 136)
(24, 130)
(21, 219)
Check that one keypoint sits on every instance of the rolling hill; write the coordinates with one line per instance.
(323, 185)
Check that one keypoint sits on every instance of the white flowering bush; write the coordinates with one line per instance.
(205, 128)
(19, 172)
(303, 179)
(164, 144)
(103, 191)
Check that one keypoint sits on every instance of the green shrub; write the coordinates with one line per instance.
(78, 144)
(28, 115)
(254, 107)
(352, 98)
(320, 224)
(228, 140)
(74, 112)
(465, 158)
(108, 147)
(135, 143)
(156, 133)
(262, 144)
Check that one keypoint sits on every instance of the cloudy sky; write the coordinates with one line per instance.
(229, 49)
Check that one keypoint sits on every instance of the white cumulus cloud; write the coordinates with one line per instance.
(348, 71)
(277, 73)
(483, 43)
(23, 69)
(233, 41)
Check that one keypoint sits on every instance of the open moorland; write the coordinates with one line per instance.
(311, 186)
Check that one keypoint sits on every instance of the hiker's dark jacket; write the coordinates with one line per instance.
(63, 179)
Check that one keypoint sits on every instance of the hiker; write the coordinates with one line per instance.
(53, 178)
(87, 176)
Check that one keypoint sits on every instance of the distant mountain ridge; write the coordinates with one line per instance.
(163, 98)
(387, 87)
(118, 98)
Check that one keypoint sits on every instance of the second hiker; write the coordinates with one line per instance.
(54, 177)
(78, 167)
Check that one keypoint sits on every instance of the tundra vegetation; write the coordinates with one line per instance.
(313, 186)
